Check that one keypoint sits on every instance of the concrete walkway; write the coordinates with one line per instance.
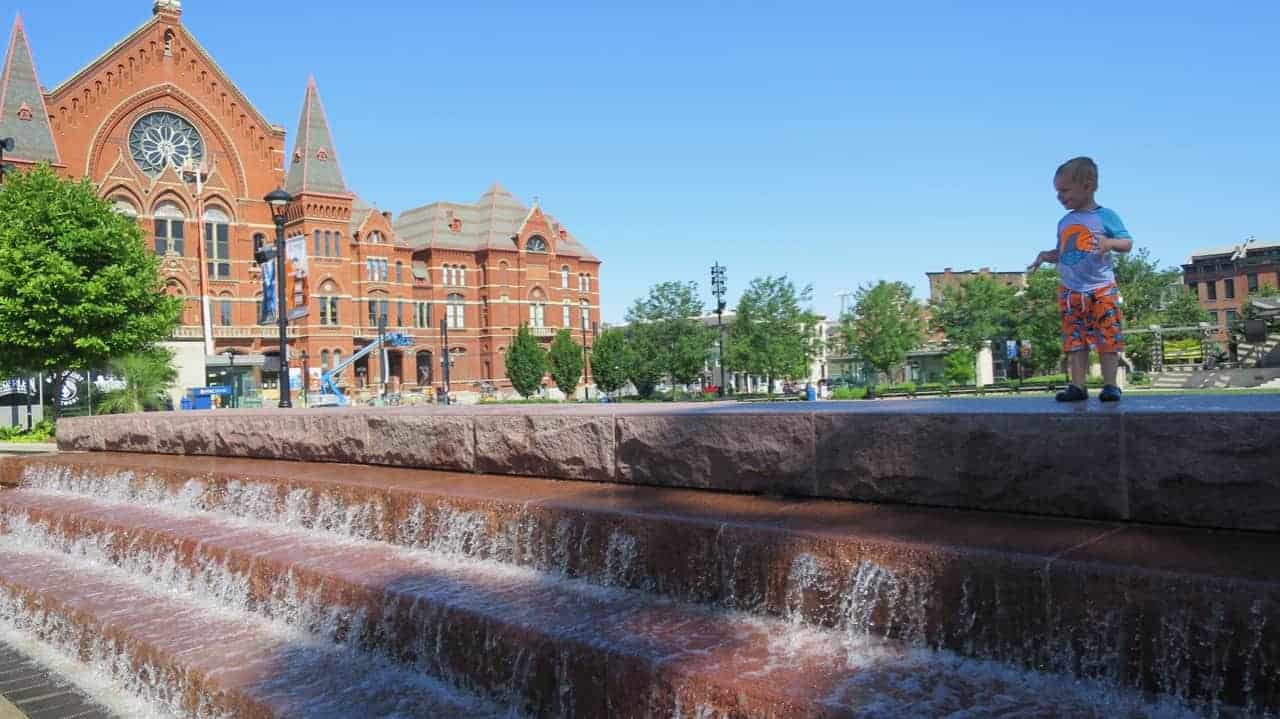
(27, 448)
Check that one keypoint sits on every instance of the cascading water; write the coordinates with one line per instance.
(824, 601)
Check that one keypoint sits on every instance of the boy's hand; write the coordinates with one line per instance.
(1040, 259)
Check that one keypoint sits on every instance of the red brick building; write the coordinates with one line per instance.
(1224, 278)
(168, 138)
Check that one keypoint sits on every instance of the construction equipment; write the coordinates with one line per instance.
(330, 394)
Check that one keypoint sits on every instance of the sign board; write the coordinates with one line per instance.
(267, 312)
(298, 288)
(211, 390)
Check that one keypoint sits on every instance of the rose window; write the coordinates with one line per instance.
(163, 138)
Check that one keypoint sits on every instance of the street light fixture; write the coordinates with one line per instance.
(279, 201)
(718, 289)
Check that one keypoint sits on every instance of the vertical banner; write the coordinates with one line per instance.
(296, 267)
(267, 312)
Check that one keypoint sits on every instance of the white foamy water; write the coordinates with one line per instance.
(865, 599)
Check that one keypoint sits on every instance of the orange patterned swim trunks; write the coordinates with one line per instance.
(1091, 319)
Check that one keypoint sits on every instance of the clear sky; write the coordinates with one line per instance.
(838, 143)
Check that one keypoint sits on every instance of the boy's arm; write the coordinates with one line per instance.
(1045, 256)
(1115, 244)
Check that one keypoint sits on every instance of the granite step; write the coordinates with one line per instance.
(1168, 610)
(531, 642)
(188, 658)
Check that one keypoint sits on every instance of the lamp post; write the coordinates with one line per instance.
(306, 379)
(6, 145)
(279, 201)
(718, 289)
(586, 367)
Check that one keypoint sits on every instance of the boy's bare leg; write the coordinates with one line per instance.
(1110, 365)
(1078, 366)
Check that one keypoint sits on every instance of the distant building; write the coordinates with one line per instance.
(1223, 278)
(953, 278)
(169, 139)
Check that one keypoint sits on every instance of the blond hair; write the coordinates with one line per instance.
(1080, 170)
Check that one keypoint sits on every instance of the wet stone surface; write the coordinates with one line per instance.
(1193, 461)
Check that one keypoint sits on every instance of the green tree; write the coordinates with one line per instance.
(147, 376)
(609, 360)
(773, 332)
(526, 363)
(886, 323)
(642, 359)
(78, 287)
(1040, 320)
(976, 312)
(959, 365)
(1249, 312)
(565, 359)
(666, 334)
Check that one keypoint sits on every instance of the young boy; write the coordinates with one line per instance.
(1087, 297)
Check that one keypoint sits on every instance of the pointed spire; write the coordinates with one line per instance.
(23, 115)
(314, 166)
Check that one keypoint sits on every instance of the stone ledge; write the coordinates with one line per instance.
(1195, 461)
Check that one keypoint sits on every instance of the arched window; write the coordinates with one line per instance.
(328, 302)
(375, 237)
(586, 283)
(566, 321)
(378, 305)
(462, 275)
(217, 242)
(585, 312)
(399, 271)
(564, 277)
(224, 310)
(337, 358)
(456, 312)
(537, 309)
(324, 360)
(328, 243)
(337, 243)
(169, 229)
(536, 244)
(168, 43)
(124, 206)
(317, 249)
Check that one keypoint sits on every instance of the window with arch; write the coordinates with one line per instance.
(324, 360)
(584, 311)
(217, 242)
(422, 315)
(564, 277)
(455, 312)
(316, 248)
(378, 309)
(337, 243)
(375, 237)
(170, 229)
(328, 243)
(337, 358)
(462, 275)
(399, 271)
(537, 309)
(328, 302)
(536, 244)
(224, 311)
(566, 321)
(124, 206)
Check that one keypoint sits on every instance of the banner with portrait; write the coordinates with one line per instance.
(297, 278)
(267, 309)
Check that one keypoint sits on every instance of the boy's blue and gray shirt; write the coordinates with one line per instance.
(1080, 265)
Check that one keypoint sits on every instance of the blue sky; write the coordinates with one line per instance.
(839, 143)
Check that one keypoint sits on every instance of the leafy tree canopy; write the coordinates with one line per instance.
(609, 360)
(78, 287)
(565, 359)
(773, 329)
(886, 323)
(526, 363)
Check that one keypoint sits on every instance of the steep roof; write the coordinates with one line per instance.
(488, 223)
(23, 115)
(315, 165)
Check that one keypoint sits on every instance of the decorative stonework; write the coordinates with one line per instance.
(322, 154)
(24, 112)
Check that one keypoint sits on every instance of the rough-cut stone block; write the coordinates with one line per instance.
(1212, 470)
(560, 446)
(768, 453)
(430, 441)
(81, 434)
(1043, 464)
